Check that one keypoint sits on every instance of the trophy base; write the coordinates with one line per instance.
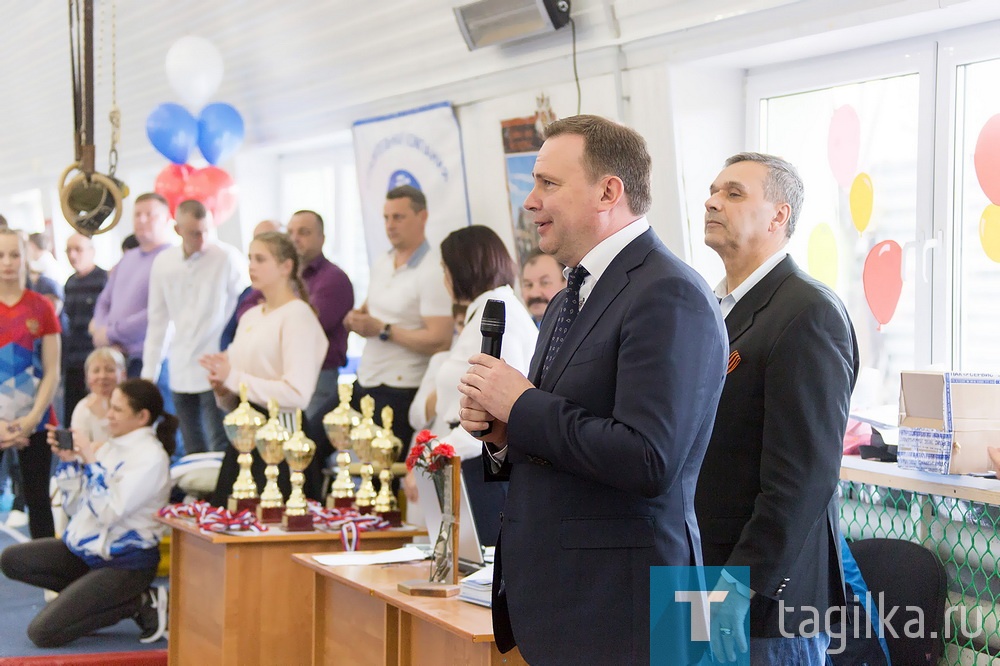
(297, 523)
(423, 588)
(237, 505)
(270, 514)
(339, 502)
(394, 518)
(365, 510)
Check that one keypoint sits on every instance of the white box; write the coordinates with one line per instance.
(946, 421)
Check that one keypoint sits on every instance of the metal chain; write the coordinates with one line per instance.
(115, 116)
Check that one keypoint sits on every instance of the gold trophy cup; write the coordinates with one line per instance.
(299, 451)
(386, 448)
(241, 426)
(338, 425)
(361, 440)
(270, 439)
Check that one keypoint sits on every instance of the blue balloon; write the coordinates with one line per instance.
(220, 132)
(172, 131)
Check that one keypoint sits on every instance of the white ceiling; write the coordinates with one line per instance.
(294, 69)
(300, 69)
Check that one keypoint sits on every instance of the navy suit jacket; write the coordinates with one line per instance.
(767, 496)
(602, 460)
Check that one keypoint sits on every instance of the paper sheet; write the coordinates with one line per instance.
(404, 554)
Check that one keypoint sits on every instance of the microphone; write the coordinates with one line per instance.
(494, 321)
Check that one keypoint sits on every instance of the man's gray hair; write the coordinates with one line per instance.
(782, 185)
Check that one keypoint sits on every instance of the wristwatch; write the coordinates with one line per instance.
(384, 335)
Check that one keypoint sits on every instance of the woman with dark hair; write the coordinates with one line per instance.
(107, 559)
(477, 268)
(277, 353)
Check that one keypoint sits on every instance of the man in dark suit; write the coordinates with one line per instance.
(603, 455)
(767, 494)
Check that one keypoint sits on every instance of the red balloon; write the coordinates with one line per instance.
(987, 159)
(215, 188)
(883, 279)
(170, 184)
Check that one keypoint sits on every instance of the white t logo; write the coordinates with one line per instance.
(700, 601)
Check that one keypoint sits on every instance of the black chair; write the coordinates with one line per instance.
(907, 574)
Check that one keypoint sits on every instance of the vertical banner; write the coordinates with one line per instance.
(521, 141)
(420, 147)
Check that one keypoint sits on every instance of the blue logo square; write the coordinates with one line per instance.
(680, 611)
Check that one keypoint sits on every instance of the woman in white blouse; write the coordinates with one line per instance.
(277, 352)
(477, 268)
(104, 369)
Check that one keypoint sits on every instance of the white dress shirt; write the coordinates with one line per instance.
(729, 299)
(197, 294)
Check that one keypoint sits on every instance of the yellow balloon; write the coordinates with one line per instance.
(989, 232)
(823, 259)
(861, 198)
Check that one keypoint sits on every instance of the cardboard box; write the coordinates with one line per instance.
(946, 421)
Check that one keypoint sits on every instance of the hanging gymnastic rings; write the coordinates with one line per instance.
(88, 200)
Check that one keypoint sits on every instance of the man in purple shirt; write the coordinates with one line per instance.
(120, 314)
(331, 293)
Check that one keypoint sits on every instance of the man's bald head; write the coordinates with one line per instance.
(80, 252)
(266, 226)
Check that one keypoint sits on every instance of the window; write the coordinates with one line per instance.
(857, 145)
(976, 237)
(326, 182)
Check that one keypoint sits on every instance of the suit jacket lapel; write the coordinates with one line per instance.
(742, 315)
(605, 291)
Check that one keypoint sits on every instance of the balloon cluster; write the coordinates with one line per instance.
(194, 69)
(987, 161)
(883, 271)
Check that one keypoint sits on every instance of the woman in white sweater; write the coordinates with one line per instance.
(277, 352)
(108, 556)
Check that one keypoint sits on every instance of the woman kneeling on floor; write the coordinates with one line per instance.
(107, 559)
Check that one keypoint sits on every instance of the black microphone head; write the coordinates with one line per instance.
(494, 318)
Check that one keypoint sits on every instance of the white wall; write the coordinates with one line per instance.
(678, 65)
(485, 169)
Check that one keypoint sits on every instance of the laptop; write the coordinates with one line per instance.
(470, 551)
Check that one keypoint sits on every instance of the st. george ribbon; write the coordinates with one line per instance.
(494, 321)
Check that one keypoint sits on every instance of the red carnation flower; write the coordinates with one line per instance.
(424, 436)
(446, 451)
(416, 452)
(440, 455)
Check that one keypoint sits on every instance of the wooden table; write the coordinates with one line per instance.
(237, 598)
(361, 619)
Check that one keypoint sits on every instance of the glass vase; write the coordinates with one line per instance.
(442, 560)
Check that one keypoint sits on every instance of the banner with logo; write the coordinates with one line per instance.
(420, 147)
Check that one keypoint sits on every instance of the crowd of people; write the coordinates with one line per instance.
(635, 418)
(193, 322)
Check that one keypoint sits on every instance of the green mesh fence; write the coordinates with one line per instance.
(963, 535)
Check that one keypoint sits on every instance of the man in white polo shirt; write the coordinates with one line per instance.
(195, 287)
(407, 315)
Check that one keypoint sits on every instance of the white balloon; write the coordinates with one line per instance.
(194, 69)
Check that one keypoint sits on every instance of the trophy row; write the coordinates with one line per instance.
(347, 430)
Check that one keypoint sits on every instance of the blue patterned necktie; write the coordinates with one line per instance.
(567, 314)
